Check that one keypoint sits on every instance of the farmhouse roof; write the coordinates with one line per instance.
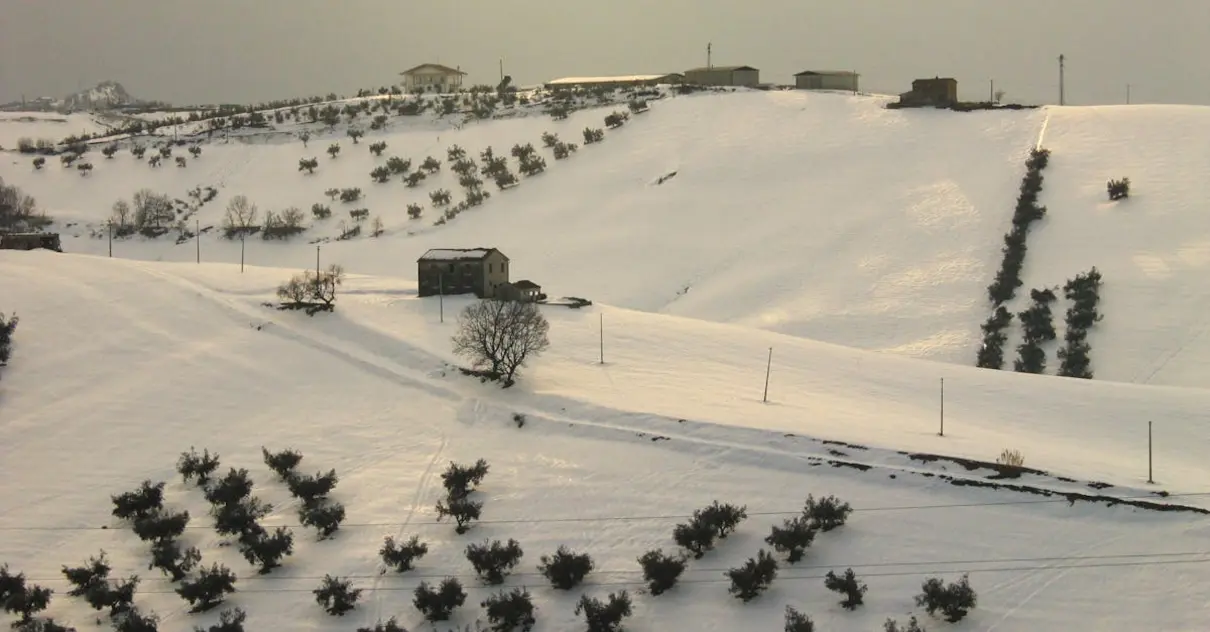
(526, 284)
(723, 68)
(844, 73)
(444, 69)
(458, 254)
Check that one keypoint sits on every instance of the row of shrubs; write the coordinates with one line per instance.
(1038, 327)
(1084, 293)
(1008, 278)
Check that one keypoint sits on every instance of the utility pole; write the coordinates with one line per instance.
(197, 238)
(768, 368)
(1150, 479)
(110, 224)
(241, 252)
(991, 93)
(501, 70)
(1062, 86)
(942, 433)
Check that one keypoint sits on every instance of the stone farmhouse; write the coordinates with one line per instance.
(479, 271)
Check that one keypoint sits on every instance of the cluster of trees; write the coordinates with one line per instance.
(1008, 278)
(19, 212)
(1084, 292)
(1038, 327)
(311, 291)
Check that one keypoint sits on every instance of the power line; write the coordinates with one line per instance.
(654, 517)
(780, 577)
(797, 567)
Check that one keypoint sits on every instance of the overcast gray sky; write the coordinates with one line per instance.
(205, 51)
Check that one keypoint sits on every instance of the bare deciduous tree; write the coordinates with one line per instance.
(121, 214)
(499, 336)
(240, 218)
(152, 210)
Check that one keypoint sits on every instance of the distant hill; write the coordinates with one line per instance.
(106, 95)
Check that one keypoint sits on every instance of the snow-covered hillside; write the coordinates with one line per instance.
(121, 365)
(824, 216)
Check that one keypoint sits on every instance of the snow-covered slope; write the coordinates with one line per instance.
(121, 365)
(822, 216)
(1153, 248)
(819, 215)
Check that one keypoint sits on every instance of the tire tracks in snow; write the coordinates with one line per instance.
(589, 416)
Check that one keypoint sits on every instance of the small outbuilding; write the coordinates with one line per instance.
(845, 80)
(30, 241)
(524, 290)
(478, 271)
(743, 76)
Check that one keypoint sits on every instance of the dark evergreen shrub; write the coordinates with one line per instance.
(754, 577)
(827, 513)
(565, 569)
(991, 353)
(437, 604)
(230, 489)
(462, 510)
(912, 626)
(402, 557)
(694, 536)
(132, 620)
(144, 502)
(266, 550)
(605, 617)
(27, 600)
(82, 578)
(848, 586)
(510, 611)
(239, 519)
(494, 560)
(390, 625)
(792, 538)
(324, 516)
(282, 463)
(7, 326)
(161, 526)
(336, 596)
(308, 488)
(797, 621)
(199, 467)
(228, 621)
(431, 165)
(1118, 189)
(953, 600)
(118, 595)
(168, 556)
(661, 571)
(208, 589)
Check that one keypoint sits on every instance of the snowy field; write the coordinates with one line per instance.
(823, 216)
(846, 245)
(121, 365)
